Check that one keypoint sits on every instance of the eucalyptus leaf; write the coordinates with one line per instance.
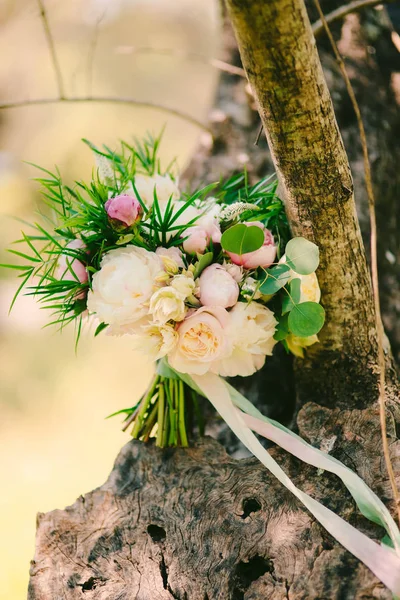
(241, 239)
(306, 319)
(293, 297)
(282, 329)
(302, 256)
(204, 261)
(275, 279)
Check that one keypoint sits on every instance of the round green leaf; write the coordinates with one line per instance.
(275, 279)
(306, 319)
(302, 256)
(241, 239)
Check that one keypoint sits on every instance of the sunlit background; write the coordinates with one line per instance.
(55, 441)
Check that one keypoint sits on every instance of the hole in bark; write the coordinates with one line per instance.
(156, 533)
(90, 584)
(250, 505)
(247, 572)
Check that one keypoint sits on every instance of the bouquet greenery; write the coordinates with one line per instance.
(207, 280)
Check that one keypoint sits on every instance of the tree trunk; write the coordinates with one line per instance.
(284, 70)
(196, 524)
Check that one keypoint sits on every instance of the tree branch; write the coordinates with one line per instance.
(106, 100)
(296, 110)
(346, 9)
(52, 49)
(221, 65)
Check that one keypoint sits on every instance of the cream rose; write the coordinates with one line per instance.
(184, 285)
(251, 330)
(164, 186)
(167, 304)
(156, 340)
(202, 341)
(122, 289)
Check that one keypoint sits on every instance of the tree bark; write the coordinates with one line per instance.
(282, 63)
(196, 524)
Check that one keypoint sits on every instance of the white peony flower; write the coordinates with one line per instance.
(251, 330)
(122, 289)
(156, 340)
(163, 184)
(184, 285)
(202, 341)
(167, 304)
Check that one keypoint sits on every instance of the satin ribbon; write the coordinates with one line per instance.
(382, 560)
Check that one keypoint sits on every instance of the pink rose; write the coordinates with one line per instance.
(263, 257)
(202, 341)
(218, 288)
(67, 263)
(123, 208)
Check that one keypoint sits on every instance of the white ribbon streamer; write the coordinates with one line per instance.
(381, 560)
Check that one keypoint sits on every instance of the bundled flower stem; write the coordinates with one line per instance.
(163, 413)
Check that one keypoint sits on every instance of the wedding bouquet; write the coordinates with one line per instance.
(205, 283)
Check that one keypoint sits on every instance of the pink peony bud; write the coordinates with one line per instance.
(67, 263)
(218, 288)
(263, 257)
(197, 240)
(123, 208)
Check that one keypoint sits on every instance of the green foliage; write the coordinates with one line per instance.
(306, 319)
(292, 297)
(302, 256)
(267, 207)
(241, 239)
(274, 279)
(282, 329)
(204, 261)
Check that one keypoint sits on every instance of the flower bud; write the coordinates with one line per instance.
(123, 210)
(217, 287)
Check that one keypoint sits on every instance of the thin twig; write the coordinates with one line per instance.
(374, 260)
(342, 11)
(52, 49)
(214, 62)
(105, 100)
(91, 54)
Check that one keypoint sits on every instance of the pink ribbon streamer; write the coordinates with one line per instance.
(381, 560)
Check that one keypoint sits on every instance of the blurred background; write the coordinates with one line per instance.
(55, 441)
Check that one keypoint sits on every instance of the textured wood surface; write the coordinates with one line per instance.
(197, 524)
